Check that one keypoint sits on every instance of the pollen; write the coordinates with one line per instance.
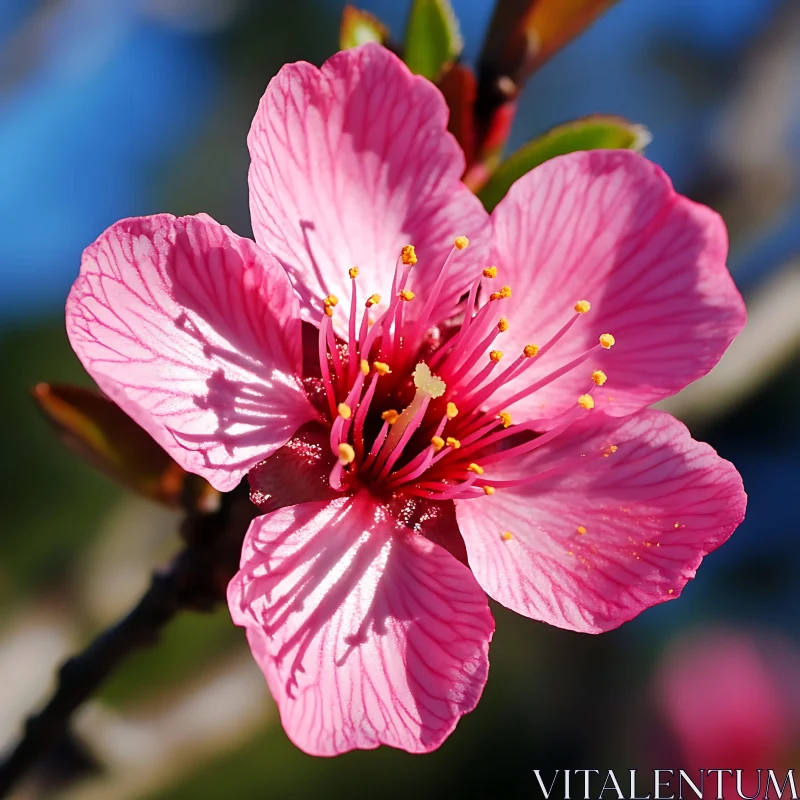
(502, 325)
(503, 294)
(427, 382)
(505, 418)
(612, 449)
(490, 272)
(452, 411)
(390, 416)
(488, 489)
(461, 242)
(478, 470)
(346, 454)
(607, 341)
(364, 366)
(331, 300)
(530, 350)
(373, 300)
(496, 355)
(438, 443)
(408, 255)
(582, 306)
(381, 368)
(451, 441)
(328, 311)
(407, 295)
(344, 410)
(586, 401)
(581, 530)
(353, 272)
(599, 377)
(506, 536)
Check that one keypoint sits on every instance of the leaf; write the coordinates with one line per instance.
(590, 133)
(433, 39)
(459, 88)
(360, 27)
(103, 435)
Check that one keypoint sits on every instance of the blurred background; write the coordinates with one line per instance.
(115, 108)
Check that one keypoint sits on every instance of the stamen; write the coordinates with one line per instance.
(586, 401)
(475, 468)
(461, 242)
(490, 272)
(452, 411)
(372, 300)
(607, 341)
(582, 306)
(364, 366)
(408, 255)
(530, 350)
(346, 454)
(495, 355)
(344, 410)
(503, 294)
(324, 366)
(505, 418)
(599, 377)
(502, 325)
(331, 300)
(452, 442)
(437, 442)
(381, 368)
(488, 489)
(391, 416)
(407, 295)
(353, 272)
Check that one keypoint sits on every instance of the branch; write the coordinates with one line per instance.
(195, 580)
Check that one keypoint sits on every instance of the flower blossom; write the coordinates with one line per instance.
(432, 405)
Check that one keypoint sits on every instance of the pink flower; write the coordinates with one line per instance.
(407, 466)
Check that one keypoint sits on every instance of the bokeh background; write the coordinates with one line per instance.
(114, 108)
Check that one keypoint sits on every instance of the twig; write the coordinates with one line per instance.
(195, 580)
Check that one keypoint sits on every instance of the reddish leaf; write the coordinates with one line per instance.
(459, 88)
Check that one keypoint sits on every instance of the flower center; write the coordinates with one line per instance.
(450, 430)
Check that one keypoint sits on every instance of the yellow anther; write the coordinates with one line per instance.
(373, 300)
(407, 295)
(530, 350)
(505, 418)
(331, 300)
(586, 401)
(461, 242)
(344, 410)
(408, 255)
(581, 530)
(507, 536)
(488, 489)
(452, 442)
(496, 355)
(503, 294)
(607, 341)
(478, 470)
(438, 443)
(490, 272)
(452, 411)
(599, 377)
(328, 311)
(390, 416)
(582, 306)
(364, 366)
(381, 368)
(612, 449)
(346, 454)
(353, 272)
(502, 325)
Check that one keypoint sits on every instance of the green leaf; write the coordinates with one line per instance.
(590, 133)
(360, 27)
(433, 39)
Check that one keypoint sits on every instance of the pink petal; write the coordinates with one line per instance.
(650, 512)
(367, 632)
(349, 164)
(195, 333)
(606, 226)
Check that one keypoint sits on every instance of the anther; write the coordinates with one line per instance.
(503, 294)
(586, 401)
(461, 242)
(581, 530)
(373, 300)
(381, 368)
(451, 441)
(607, 341)
(490, 272)
(530, 350)
(346, 454)
(331, 300)
(488, 489)
(328, 311)
(507, 536)
(344, 410)
(582, 306)
(612, 449)
(452, 411)
(407, 295)
(353, 272)
(438, 443)
(364, 366)
(502, 325)
(599, 377)
(478, 470)
(495, 355)
(505, 418)
(390, 416)
(408, 255)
